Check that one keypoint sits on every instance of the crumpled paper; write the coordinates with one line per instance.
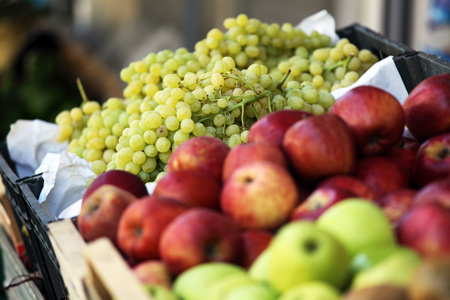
(321, 22)
(384, 75)
(65, 177)
(28, 143)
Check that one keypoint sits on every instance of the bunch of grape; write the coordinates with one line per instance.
(229, 81)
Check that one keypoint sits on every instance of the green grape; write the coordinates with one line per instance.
(150, 151)
(172, 123)
(163, 144)
(98, 167)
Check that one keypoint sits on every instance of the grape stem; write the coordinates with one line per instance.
(81, 89)
(343, 63)
(283, 80)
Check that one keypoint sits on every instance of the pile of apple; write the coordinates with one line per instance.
(343, 204)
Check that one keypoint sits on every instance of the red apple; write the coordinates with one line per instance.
(142, 224)
(272, 127)
(375, 118)
(250, 152)
(203, 153)
(397, 203)
(426, 229)
(382, 174)
(428, 106)
(153, 272)
(197, 236)
(351, 183)
(319, 201)
(259, 195)
(404, 153)
(121, 179)
(436, 191)
(320, 146)
(433, 159)
(254, 242)
(195, 189)
(101, 210)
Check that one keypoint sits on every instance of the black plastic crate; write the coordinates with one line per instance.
(18, 206)
(416, 67)
(30, 189)
(365, 38)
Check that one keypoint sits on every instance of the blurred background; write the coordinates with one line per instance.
(46, 44)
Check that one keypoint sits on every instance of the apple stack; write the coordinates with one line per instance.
(342, 204)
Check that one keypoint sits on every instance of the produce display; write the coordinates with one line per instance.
(229, 81)
(328, 206)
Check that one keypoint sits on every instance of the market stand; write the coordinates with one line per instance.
(70, 268)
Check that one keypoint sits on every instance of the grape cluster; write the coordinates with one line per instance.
(229, 81)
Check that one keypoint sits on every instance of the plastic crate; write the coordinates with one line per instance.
(415, 67)
(30, 189)
(378, 44)
(18, 206)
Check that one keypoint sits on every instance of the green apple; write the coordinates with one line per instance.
(218, 289)
(396, 269)
(259, 269)
(311, 290)
(255, 290)
(357, 224)
(371, 256)
(190, 284)
(301, 251)
(160, 293)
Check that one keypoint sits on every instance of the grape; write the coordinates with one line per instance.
(232, 78)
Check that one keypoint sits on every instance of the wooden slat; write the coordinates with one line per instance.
(67, 244)
(110, 274)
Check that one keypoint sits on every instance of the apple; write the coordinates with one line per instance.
(311, 290)
(404, 153)
(430, 280)
(381, 291)
(250, 152)
(436, 191)
(253, 290)
(382, 174)
(259, 195)
(153, 272)
(427, 107)
(142, 223)
(273, 126)
(351, 183)
(375, 118)
(433, 159)
(370, 256)
(121, 179)
(198, 236)
(302, 252)
(259, 269)
(397, 203)
(219, 289)
(205, 154)
(396, 269)
(193, 283)
(320, 146)
(357, 224)
(425, 229)
(319, 201)
(157, 292)
(195, 189)
(254, 242)
(101, 210)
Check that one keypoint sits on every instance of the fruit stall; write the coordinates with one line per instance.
(268, 163)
